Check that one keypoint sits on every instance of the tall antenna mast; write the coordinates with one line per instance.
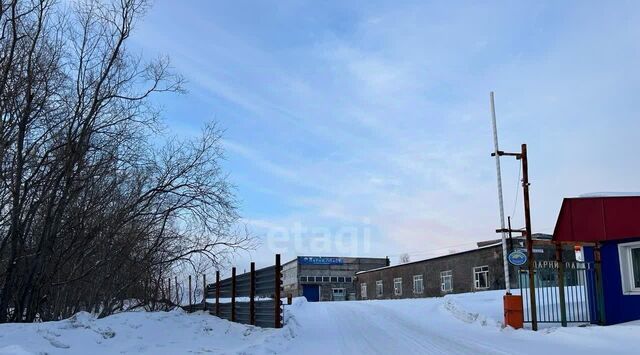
(500, 200)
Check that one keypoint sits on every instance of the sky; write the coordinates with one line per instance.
(363, 128)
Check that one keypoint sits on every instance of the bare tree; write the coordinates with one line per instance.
(94, 212)
(404, 258)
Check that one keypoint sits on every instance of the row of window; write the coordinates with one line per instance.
(480, 279)
(345, 279)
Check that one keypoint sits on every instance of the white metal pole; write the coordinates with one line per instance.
(500, 201)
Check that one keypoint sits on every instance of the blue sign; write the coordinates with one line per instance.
(319, 260)
(517, 258)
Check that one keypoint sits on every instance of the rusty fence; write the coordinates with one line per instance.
(253, 297)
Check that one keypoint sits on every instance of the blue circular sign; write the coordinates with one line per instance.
(517, 258)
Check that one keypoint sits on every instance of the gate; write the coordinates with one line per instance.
(566, 293)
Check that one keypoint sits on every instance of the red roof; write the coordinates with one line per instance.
(597, 219)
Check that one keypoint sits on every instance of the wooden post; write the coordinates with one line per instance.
(169, 288)
(177, 296)
(278, 276)
(204, 292)
(233, 294)
(217, 293)
(252, 295)
(563, 305)
(527, 219)
(190, 305)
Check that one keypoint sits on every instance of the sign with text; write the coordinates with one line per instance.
(535, 250)
(319, 260)
(549, 264)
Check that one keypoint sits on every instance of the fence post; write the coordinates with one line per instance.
(233, 294)
(177, 297)
(563, 306)
(204, 292)
(169, 288)
(252, 295)
(190, 305)
(217, 293)
(278, 275)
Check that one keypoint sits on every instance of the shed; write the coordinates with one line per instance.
(612, 224)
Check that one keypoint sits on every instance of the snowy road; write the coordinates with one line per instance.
(373, 328)
(379, 328)
(455, 324)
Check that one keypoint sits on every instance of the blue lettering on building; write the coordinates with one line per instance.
(319, 260)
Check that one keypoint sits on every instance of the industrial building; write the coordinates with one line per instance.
(325, 278)
(468, 271)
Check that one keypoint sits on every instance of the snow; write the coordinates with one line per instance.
(610, 194)
(454, 324)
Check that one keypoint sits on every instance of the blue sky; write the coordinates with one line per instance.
(372, 119)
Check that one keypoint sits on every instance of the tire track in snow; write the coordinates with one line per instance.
(370, 327)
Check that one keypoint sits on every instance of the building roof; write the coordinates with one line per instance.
(434, 258)
(536, 236)
(598, 218)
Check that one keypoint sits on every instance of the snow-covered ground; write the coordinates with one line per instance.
(455, 324)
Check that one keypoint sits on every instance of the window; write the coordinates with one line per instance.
(629, 254)
(418, 285)
(397, 286)
(318, 278)
(446, 281)
(347, 279)
(481, 277)
(303, 279)
(338, 294)
(334, 279)
(340, 279)
(363, 290)
(379, 288)
(325, 278)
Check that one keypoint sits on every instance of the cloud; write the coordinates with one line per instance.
(380, 113)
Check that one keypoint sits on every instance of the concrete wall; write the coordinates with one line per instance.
(290, 277)
(460, 264)
(462, 268)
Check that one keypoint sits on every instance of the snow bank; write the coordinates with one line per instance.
(172, 332)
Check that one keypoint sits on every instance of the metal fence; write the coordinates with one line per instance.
(250, 298)
(564, 293)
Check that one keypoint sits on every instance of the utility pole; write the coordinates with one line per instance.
(505, 263)
(527, 221)
(529, 235)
